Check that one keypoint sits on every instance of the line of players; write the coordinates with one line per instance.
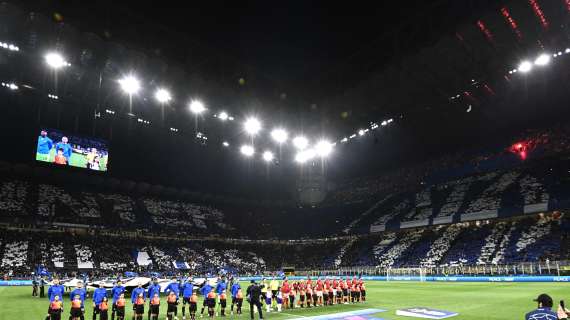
(310, 294)
(175, 291)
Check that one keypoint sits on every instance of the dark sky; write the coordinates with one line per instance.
(289, 44)
(303, 48)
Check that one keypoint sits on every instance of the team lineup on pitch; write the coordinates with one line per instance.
(470, 300)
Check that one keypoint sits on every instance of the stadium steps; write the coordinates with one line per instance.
(2, 249)
(70, 256)
(458, 240)
(565, 241)
(143, 217)
(505, 239)
(418, 250)
(358, 222)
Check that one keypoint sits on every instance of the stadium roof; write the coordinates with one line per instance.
(441, 70)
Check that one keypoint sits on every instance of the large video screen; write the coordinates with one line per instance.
(64, 149)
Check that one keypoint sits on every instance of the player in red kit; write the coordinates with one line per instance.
(329, 290)
(285, 289)
(319, 292)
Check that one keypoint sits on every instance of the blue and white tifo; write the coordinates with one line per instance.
(427, 313)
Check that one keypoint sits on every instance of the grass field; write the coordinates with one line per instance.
(471, 300)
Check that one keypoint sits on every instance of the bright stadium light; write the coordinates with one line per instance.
(305, 155)
(225, 144)
(55, 60)
(542, 59)
(197, 107)
(279, 135)
(361, 132)
(130, 85)
(268, 156)
(252, 126)
(300, 142)
(223, 116)
(525, 66)
(247, 150)
(162, 95)
(323, 148)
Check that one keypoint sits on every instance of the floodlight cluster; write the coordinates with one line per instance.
(9, 46)
(305, 148)
(541, 60)
(10, 85)
(55, 60)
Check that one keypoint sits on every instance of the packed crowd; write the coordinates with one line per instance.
(525, 239)
(537, 144)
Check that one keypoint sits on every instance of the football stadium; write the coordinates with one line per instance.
(284, 160)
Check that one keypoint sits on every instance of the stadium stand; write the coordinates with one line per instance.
(518, 239)
(496, 209)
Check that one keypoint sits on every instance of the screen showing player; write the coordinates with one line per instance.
(60, 148)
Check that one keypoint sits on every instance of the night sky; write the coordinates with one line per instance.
(315, 52)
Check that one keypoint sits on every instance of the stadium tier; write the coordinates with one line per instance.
(493, 210)
(497, 242)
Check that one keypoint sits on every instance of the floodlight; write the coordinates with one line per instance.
(247, 150)
(223, 116)
(162, 95)
(268, 156)
(361, 132)
(305, 155)
(542, 59)
(525, 66)
(323, 148)
(55, 60)
(226, 144)
(300, 142)
(197, 107)
(279, 135)
(130, 84)
(252, 126)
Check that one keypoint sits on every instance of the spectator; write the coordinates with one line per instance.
(562, 312)
(543, 312)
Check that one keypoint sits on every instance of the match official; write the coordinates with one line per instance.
(253, 296)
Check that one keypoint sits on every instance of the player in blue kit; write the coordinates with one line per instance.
(234, 291)
(45, 144)
(54, 290)
(79, 291)
(187, 289)
(98, 295)
(153, 289)
(206, 288)
(116, 293)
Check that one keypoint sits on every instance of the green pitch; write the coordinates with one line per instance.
(472, 300)
(76, 160)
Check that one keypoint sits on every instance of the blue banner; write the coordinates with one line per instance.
(4, 283)
(427, 313)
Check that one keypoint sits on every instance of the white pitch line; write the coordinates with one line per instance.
(294, 315)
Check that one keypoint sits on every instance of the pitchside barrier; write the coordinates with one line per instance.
(446, 279)
(4, 283)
